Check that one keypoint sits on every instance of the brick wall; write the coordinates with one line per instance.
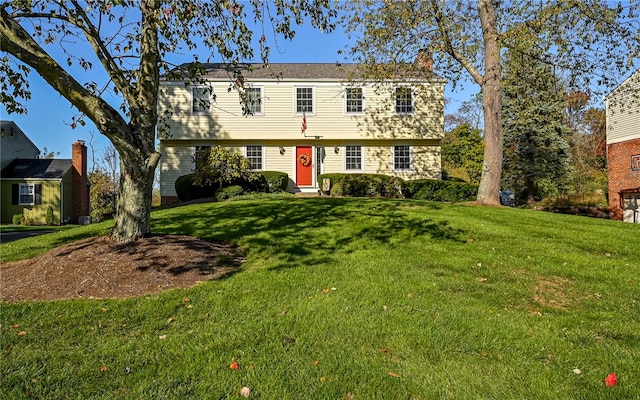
(622, 177)
(80, 180)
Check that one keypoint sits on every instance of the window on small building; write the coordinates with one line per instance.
(304, 100)
(353, 158)
(27, 194)
(354, 100)
(254, 155)
(402, 158)
(404, 100)
(201, 100)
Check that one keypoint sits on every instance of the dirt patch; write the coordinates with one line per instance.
(102, 268)
(551, 292)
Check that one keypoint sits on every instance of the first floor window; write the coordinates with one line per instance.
(201, 156)
(26, 194)
(254, 155)
(353, 158)
(402, 158)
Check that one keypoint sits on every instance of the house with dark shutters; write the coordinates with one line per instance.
(31, 186)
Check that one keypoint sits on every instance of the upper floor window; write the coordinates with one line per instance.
(254, 155)
(201, 100)
(254, 100)
(353, 158)
(304, 100)
(404, 100)
(354, 100)
(402, 158)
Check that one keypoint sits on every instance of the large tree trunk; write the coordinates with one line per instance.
(133, 208)
(489, 190)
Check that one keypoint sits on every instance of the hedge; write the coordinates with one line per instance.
(437, 190)
(186, 190)
(261, 181)
(276, 181)
(363, 185)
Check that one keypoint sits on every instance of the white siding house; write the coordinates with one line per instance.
(352, 126)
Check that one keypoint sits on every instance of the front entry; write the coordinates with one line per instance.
(631, 207)
(304, 166)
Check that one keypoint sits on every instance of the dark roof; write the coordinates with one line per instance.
(25, 168)
(306, 71)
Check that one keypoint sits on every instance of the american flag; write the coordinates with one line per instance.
(304, 123)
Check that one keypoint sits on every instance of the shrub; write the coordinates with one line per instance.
(103, 194)
(364, 185)
(187, 190)
(26, 221)
(49, 219)
(437, 190)
(276, 181)
(16, 219)
(228, 192)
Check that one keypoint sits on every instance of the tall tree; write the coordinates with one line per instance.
(537, 157)
(132, 41)
(587, 39)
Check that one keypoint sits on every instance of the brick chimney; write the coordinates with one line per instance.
(424, 59)
(80, 181)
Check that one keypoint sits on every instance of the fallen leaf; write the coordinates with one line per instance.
(104, 309)
(410, 295)
(15, 326)
(484, 354)
(186, 300)
(611, 380)
(316, 362)
(22, 333)
(245, 391)
(390, 373)
(325, 290)
(234, 365)
(577, 371)
(103, 368)
(162, 337)
(383, 350)
(481, 279)
(385, 308)
(323, 379)
(171, 319)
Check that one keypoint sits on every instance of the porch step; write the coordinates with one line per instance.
(307, 194)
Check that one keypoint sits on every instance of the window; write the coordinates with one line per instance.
(201, 156)
(254, 155)
(353, 158)
(404, 102)
(201, 100)
(402, 158)
(27, 194)
(254, 100)
(353, 98)
(635, 162)
(304, 100)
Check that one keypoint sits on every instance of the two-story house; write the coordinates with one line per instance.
(15, 144)
(306, 120)
(623, 149)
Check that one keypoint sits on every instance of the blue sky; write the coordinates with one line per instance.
(47, 122)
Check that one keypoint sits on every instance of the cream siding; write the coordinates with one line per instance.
(623, 111)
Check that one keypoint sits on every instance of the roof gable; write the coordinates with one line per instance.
(24, 168)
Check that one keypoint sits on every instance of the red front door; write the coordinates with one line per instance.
(304, 166)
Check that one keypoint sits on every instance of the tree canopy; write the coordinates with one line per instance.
(591, 43)
(133, 41)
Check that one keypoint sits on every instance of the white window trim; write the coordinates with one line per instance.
(261, 113)
(413, 100)
(393, 158)
(363, 102)
(344, 159)
(33, 194)
(262, 154)
(210, 100)
(313, 99)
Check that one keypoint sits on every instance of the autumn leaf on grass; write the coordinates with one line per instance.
(611, 380)
(103, 368)
(391, 373)
(22, 333)
(234, 365)
(481, 279)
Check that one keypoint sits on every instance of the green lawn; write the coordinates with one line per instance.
(352, 298)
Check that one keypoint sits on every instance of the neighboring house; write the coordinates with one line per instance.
(29, 186)
(14, 144)
(623, 149)
(306, 120)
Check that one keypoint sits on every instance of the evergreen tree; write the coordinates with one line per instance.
(537, 159)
